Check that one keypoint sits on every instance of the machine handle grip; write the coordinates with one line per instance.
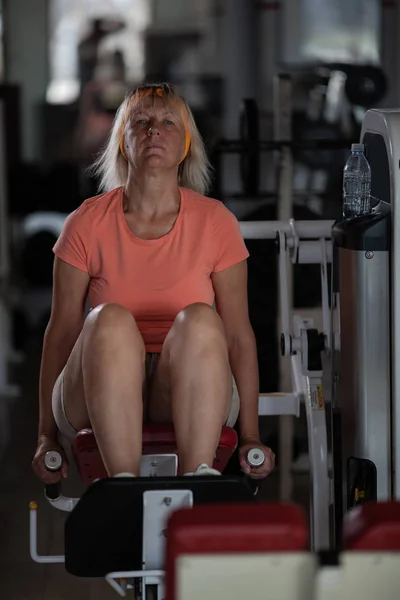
(52, 491)
(255, 457)
(53, 462)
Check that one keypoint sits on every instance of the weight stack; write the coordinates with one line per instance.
(361, 360)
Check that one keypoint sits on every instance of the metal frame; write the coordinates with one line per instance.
(151, 465)
(307, 385)
(157, 506)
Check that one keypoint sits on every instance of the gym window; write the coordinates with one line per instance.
(327, 31)
(69, 21)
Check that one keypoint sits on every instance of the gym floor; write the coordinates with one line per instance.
(20, 577)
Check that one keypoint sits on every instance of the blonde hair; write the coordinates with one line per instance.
(111, 166)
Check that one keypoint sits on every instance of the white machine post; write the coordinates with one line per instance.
(304, 345)
(158, 505)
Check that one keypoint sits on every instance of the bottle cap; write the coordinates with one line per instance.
(357, 147)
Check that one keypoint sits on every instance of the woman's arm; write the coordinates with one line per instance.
(70, 286)
(230, 287)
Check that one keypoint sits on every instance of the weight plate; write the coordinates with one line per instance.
(365, 85)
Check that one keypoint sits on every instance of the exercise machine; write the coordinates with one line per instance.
(355, 418)
(359, 341)
(117, 528)
(180, 538)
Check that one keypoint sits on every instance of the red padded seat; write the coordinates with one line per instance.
(157, 439)
(233, 528)
(372, 527)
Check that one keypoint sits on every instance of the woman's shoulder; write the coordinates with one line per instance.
(203, 204)
(97, 206)
(208, 207)
(99, 203)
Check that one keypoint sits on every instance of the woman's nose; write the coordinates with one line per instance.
(153, 129)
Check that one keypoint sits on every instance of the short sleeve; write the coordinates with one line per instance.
(72, 245)
(229, 245)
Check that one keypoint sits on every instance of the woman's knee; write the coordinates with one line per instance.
(199, 322)
(111, 320)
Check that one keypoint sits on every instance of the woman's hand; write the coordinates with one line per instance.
(263, 470)
(47, 444)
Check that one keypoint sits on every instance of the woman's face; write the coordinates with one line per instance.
(154, 134)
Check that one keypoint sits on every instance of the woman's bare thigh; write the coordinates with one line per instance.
(74, 393)
(73, 390)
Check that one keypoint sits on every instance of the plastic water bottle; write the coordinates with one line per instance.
(356, 184)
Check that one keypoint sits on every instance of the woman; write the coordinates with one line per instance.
(152, 254)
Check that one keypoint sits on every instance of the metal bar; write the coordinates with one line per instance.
(110, 578)
(286, 434)
(282, 127)
(64, 503)
(6, 389)
(326, 313)
(312, 252)
(297, 377)
(279, 404)
(283, 109)
(4, 250)
(242, 146)
(318, 454)
(283, 285)
(33, 540)
(260, 230)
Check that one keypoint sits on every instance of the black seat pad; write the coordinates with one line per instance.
(104, 531)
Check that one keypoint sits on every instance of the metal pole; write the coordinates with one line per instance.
(239, 68)
(283, 131)
(5, 337)
(260, 230)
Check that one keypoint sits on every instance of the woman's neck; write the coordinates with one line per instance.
(151, 193)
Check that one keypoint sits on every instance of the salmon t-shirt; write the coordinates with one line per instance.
(153, 279)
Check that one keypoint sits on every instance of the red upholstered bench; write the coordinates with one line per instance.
(233, 529)
(372, 527)
(157, 439)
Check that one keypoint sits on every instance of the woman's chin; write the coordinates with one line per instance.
(158, 162)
